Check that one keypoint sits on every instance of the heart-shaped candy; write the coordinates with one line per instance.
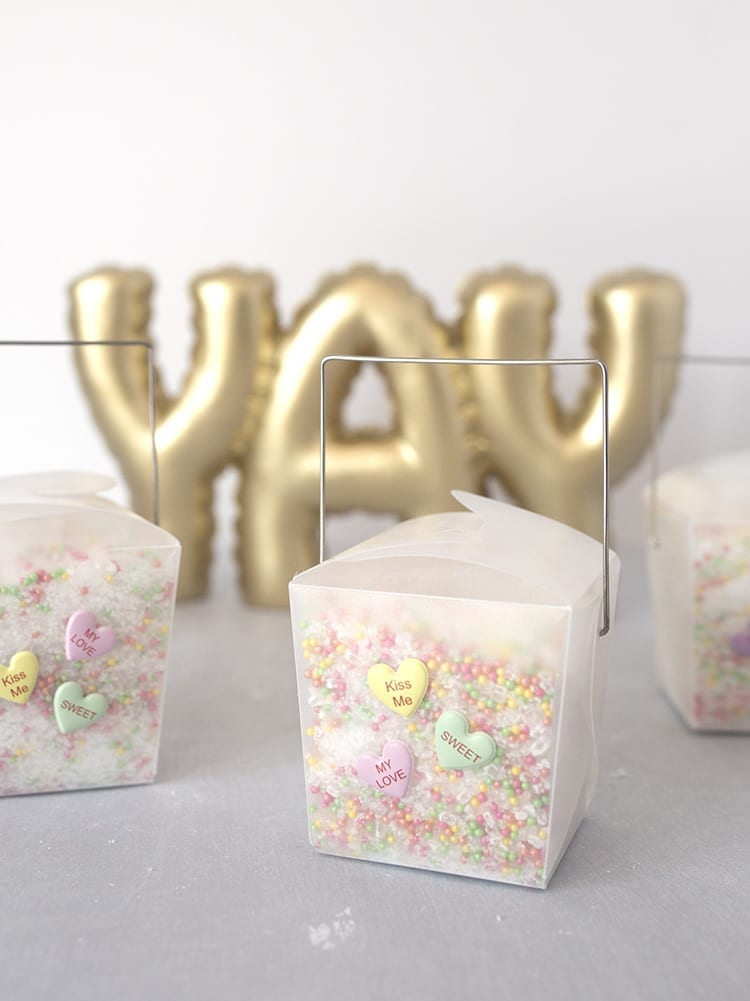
(456, 747)
(740, 642)
(84, 639)
(391, 772)
(401, 690)
(73, 710)
(17, 681)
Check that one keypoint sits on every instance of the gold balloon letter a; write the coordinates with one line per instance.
(548, 458)
(207, 425)
(407, 471)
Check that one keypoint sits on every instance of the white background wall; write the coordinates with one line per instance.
(435, 138)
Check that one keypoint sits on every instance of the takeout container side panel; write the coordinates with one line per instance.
(699, 578)
(61, 556)
(529, 672)
(670, 570)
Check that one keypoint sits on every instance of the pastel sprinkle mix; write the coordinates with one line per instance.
(490, 820)
(721, 639)
(51, 583)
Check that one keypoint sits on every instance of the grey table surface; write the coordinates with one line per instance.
(203, 885)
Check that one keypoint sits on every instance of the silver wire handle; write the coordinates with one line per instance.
(149, 348)
(534, 362)
(730, 360)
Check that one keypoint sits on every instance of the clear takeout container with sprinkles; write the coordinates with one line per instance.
(451, 675)
(699, 570)
(87, 594)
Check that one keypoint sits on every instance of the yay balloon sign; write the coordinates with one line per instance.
(251, 399)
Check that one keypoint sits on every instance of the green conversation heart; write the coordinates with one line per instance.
(456, 747)
(74, 710)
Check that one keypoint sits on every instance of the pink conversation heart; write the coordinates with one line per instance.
(740, 643)
(390, 773)
(84, 639)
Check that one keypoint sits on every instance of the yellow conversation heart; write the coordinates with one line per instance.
(401, 690)
(17, 681)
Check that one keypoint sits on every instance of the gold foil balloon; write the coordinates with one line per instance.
(547, 457)
(252, 397)
(208, 424)
(408, 471)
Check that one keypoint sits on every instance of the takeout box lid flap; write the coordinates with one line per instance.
(716, 487)
(497, 536)
(66, 492)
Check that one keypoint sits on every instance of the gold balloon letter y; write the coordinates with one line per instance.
(547, 457)
(207, 425)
